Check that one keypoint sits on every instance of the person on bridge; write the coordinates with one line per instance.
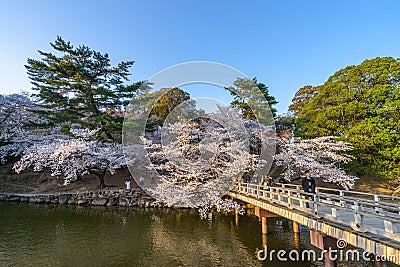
(233, 180)
(269, 181)
(308, 184)
(240, 179)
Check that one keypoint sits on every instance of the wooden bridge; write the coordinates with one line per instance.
(363, 220)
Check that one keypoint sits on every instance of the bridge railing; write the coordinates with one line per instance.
(370, 212)
(392, 203)
(347, 193)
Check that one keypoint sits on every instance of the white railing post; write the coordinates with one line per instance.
(335, 212)
(279, 195)
(390, 227)
(377, 207)
(290, 200)
(301, 200)
(316, 206)
(341, 195)
(358, 218)
(299, 196)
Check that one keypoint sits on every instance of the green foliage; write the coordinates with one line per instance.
(361, 104)
(249, 91)
(79, 85)
(168, 101)
(284, 122)
(302, 97)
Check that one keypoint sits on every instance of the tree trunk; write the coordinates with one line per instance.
(109, 136)
(102, 184)
(101, 178)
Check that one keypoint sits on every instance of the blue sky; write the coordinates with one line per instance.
(285, 44)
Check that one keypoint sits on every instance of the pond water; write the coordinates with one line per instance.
(52, 235)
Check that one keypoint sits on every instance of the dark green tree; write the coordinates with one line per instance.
(247, 91)
(361, 104)
(284, 122)
(79, 85)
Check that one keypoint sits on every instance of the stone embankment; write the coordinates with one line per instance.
(125, 198)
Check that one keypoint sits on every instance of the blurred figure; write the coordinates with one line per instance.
(269, 181)
(128, 182)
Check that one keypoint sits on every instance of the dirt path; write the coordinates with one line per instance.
(31, 182)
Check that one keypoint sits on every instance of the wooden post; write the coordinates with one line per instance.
(325, 242)
(380, 264)
(329, 262)
(296, 241)
(264, 239)
(296, 228)
(257, 212)
(236, 217)
(264, 228)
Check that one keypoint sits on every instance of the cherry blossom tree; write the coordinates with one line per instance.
(199, 157)
(17, 110)
(26, 136)
(21, 126)
(73, 157)
(321, 155)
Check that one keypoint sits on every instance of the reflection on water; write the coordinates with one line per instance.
(40, 235)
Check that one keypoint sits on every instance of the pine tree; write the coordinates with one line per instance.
(249, 91)
(79, 85)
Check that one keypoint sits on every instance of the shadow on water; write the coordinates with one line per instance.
(47, 235)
